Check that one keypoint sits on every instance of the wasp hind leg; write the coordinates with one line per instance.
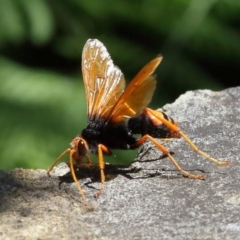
(166, 152)
(197, 150)
(174, 128)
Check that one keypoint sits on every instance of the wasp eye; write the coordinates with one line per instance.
(82, 148)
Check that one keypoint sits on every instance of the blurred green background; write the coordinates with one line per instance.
(42, 97)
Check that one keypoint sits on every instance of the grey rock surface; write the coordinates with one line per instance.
(147, 200)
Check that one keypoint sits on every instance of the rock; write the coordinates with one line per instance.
(149, 199)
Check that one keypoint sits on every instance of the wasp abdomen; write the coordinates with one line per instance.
(147, 123)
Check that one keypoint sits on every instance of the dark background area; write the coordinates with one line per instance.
(42, 99)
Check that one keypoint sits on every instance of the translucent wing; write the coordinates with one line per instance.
(104, 82)
(138, 93)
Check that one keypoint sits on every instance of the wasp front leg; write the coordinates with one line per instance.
(101, 150)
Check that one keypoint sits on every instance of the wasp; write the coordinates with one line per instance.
(117, 115)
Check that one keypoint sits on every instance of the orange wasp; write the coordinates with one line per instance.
(116, 115)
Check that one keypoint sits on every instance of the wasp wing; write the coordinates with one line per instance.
(138, 93)
(103, 81)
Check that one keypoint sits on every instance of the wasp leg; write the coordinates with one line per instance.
(101, 149)
(159, 116)
(166, 152)
(197, 150)
(72, 151)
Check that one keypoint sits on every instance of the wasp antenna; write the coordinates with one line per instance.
(55, 162)
(74, 176)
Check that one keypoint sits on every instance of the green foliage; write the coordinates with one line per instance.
(22, 19)
(42, 97)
